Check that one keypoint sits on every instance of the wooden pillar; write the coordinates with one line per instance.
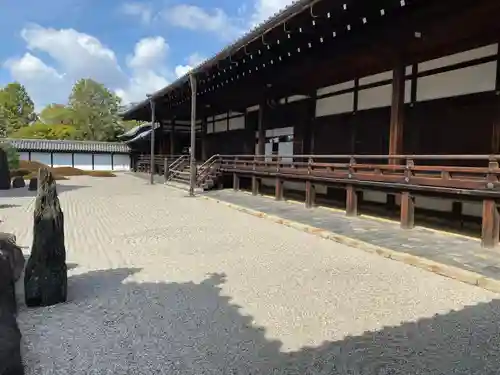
(261, 132)
(351, 201)
(255, 185)
(495, 137)
(204, 156)
(397, 112)
(236, 182)
(166, 171)
(278, 190)
(172, 137)
(310, 194)
(490, 226)
(407, 210)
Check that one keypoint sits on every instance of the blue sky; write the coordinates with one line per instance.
(133, 47)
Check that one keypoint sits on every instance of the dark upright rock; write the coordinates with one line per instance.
(4, 171)
(33, 186)
(45, 277)
(18, 182)
(14, 253)
(10, 336)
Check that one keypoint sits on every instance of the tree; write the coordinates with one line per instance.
(40, 130)
(57, 114)
(95, 110)
(12, 155)
(16, 108)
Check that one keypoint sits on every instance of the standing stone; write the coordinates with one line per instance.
(9, 248)
(10, 336)
(33, 186)
(4, 171)
(18, 182)
(46, 274)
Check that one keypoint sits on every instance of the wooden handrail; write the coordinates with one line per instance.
(347, 169)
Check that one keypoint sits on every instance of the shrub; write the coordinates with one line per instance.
(100, 174)
(12, 155)
(68, 171)
(19, 172)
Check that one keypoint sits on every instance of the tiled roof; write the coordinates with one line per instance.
(67, 146)
(136, 130)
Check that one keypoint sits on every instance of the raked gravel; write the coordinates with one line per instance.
(161, 283)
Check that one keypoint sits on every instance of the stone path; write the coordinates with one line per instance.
(165, 284)
(454, 250)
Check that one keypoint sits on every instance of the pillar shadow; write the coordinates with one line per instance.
(113, 324)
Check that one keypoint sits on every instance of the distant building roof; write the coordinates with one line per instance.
(45, 145)
(136, 130)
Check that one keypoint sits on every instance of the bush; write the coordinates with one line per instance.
(12, 155)
(19, 172)
(68, 171)
(100, 174)
(32, 166)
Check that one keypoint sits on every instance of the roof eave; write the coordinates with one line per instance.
(258, 31)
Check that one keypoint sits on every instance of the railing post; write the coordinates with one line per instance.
(491, 218)
(165, 169)
(310, 187)
(351, 204)
(236, 178)
(255, 182)
(278, 189)
(407, 214)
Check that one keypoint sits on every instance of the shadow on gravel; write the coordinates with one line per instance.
(24, 192)
(115, 326)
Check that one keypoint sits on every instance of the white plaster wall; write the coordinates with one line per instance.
(24, 156)
(335, 88)
(472, 209)
(121, 162)
(62, 160)
(42, 157)
(102, 162)
(286, 149)
(374, 196)
(335, 104)
(83, 161)
(237, 123)
(474, 79)
(460, 57)
(220, 126)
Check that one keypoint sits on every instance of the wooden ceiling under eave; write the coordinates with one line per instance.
(365, 43)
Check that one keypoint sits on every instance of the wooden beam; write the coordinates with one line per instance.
(490, 225)
(407, 210)
(351, 201)
(397, 112)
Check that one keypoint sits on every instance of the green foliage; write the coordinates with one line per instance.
(57, 114)
(95, 110)
(16, 108)
(91, 114)
(12, 155)
(44, 131)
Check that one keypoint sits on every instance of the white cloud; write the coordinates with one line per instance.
(73, 55)
(136, 9)
(147, 65)
(149, 53)
(192, 61)
(192, 17)
(264, 9)
(77, 54)
(38, 77)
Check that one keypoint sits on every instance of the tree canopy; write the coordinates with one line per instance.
(17, 110)
(91, 113)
